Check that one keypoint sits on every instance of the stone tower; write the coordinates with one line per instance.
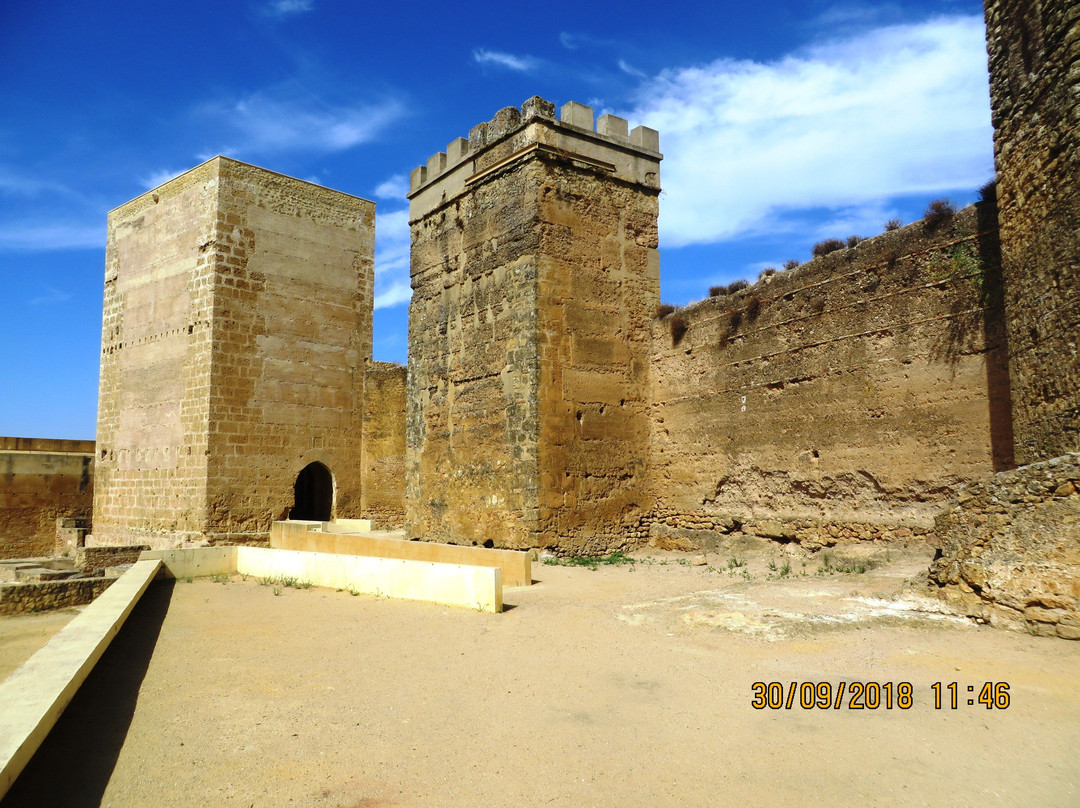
(1034, 48)
(535, 276)
(237, 325)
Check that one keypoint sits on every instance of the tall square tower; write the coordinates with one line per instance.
(535, 276)
(237, 326)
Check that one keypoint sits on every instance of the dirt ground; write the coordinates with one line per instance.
(620, 686)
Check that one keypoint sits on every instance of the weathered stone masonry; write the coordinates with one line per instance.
(546, 407)
(1034, 50)
(535, 274)
(843, 399)
(236, 333)
(44, 484)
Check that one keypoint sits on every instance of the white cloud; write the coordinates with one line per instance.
(394, 187)
(626, 67)
(895, 110)
(392, 285)
(508, 60)
(283, 119)
(286, 8)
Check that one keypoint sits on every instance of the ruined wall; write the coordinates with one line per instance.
(533, 272)
(1034, 48)
(383, 485)
(42, 481)
(1010, 549)
(844, 399)
(237, 323)
(40, 596)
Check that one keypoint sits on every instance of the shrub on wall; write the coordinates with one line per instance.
(753, 307)
(663, 310)
(679, 327)
(827, 246)
(938, 212)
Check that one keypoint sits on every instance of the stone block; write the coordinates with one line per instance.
(436, 165)
(613, 126)
(417, 177)
(456, 150)
(577, 115)
(645, 138)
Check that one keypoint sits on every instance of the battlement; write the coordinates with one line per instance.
(607, 143)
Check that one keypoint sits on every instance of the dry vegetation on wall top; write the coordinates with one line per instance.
(938, 212)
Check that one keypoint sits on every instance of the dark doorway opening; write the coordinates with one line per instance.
(313, 494)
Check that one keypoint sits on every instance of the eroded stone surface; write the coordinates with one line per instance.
(1010, 549)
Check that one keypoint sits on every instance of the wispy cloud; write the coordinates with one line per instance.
(156, 178)
(505, 60)
(288, 119)
(16, 183)
(39, 236)
(394, 187)
(51, 297)
(894, 110)
(628, 68)
(287, 8)
(572, 40)
(392, 285)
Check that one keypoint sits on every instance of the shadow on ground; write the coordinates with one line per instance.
(73, 766)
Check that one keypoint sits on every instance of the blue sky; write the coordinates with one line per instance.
(781, 123)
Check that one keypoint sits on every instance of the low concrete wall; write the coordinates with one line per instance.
(452, 584)
(34, 696)
(198, 562)
(516, 566)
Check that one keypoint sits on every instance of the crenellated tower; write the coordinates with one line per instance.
(1034, 48)
(535, 276)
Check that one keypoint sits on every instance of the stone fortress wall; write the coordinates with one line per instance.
(545, 403)
(43, 482)
(844, 399)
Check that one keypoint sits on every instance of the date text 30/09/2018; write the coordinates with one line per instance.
(874, 695)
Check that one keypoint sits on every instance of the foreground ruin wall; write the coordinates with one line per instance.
(843, 399)
(383, 485)
(42, 481)
(1010, 549)
(1034, 50)
(237, 325)
(534, 275)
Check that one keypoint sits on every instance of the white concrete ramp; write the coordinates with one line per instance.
(34, 696)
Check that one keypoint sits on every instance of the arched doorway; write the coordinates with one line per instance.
(313, 494)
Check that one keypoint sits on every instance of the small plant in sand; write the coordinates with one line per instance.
(618, 558)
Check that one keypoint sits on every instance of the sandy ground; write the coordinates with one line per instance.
(615, 687)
